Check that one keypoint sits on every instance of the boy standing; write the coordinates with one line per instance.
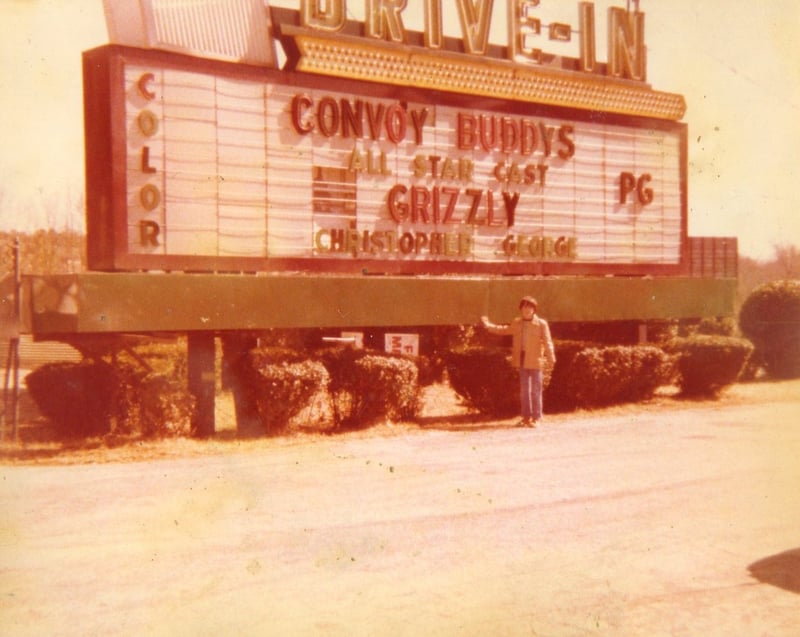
(531, 342)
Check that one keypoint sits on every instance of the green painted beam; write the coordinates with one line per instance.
(95, 302)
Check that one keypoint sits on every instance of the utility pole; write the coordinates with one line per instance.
(12, 362)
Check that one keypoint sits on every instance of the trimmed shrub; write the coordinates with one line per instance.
(485, 379)
(368, 387)
(770, 318)
(707, 364)
(386, 387)
(77, 398)
(280, 389)
(153, 398)
(619, 374)
(588, 375)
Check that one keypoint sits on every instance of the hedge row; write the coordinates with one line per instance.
(588, 375)
(584, 376)
(361, 388)
(145, 391)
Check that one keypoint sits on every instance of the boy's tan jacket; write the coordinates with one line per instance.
(538, 345)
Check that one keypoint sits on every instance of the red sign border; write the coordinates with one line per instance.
(106, 179)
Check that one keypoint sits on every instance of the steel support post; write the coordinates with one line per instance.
(202, 383)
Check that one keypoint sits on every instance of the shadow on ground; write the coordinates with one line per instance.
(781, 570)
(463, 422)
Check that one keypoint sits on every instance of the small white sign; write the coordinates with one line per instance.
(406, 344)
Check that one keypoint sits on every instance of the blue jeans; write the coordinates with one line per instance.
(530, 392)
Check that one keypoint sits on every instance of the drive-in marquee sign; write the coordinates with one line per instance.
(389, 157)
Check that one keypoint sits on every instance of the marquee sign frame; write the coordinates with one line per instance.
(120, 80)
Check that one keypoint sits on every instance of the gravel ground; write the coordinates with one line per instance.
(668, 518)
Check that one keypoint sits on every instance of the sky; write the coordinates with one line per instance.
(735, 61)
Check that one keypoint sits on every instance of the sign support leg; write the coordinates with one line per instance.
(234, 352)
(202, 379)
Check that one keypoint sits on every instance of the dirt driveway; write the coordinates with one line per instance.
(668, 519)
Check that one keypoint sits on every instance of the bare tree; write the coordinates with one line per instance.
(787, 257)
